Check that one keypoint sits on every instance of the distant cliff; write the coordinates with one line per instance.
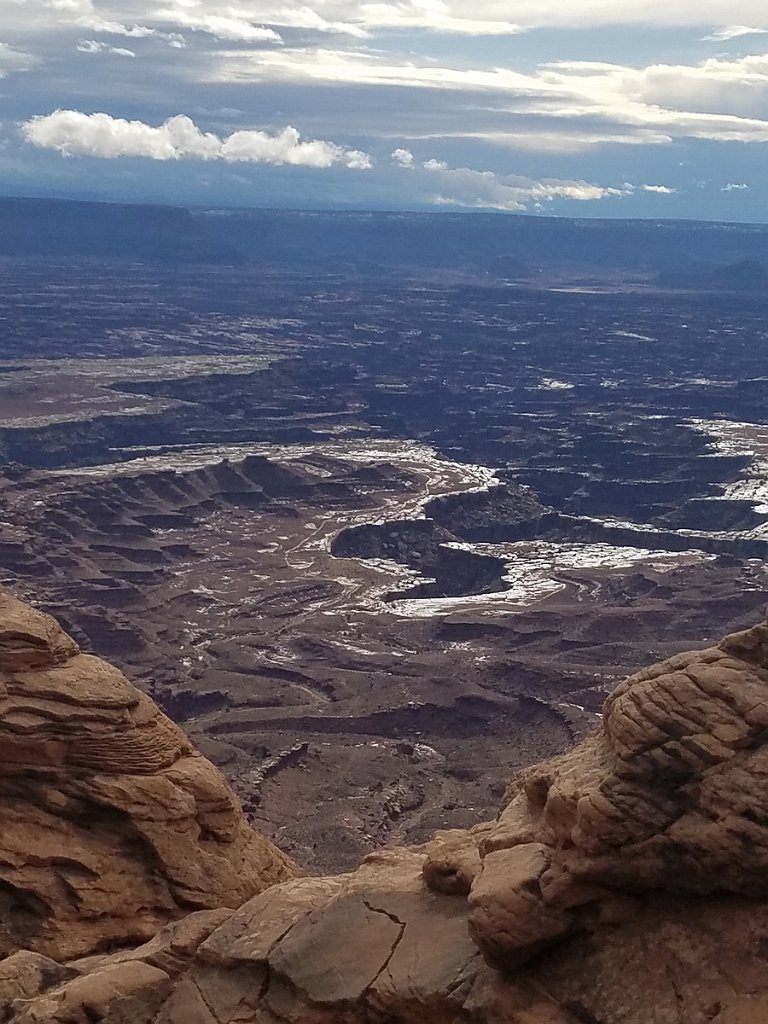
(515, 247)
(51, 229)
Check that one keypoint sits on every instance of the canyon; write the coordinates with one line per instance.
(362, 532)
(621, 883)
(357, 565)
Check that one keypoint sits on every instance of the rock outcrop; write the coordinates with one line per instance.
(111, 823)
(623, 883)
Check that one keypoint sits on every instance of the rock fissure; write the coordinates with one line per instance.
(398, 939)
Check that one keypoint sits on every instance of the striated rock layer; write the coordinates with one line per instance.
(111, 823)
(623, 883)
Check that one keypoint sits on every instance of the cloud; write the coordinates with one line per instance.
(495, 17)
(115, 28)
(73, 133)
(436, 17)
(728, 32)
(378, 71)
(735, 186)
(718, 99)
(481, 18)
(466, 187)
(306, 17)
(94, 46)
(443, 185)
(232, 26)
(15, 60)
(404, 157)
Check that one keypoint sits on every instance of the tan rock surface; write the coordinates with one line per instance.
(112, 824)
(624, 883)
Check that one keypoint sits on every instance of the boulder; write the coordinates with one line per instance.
(111, 823)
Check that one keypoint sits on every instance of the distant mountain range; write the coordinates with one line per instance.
(672, 254)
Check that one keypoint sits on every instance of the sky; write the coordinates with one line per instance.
(587, 108)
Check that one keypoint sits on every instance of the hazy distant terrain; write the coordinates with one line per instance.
(369, 500)
(685, 253)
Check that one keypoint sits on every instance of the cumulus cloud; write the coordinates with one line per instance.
(73, 133)
(95, 46)
(403, 157)
(662, 190)
(734, 186)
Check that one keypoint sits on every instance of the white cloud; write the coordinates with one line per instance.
(115, 28)
(233, 25)
(437, 17)
(404, 157)
(482, 17)
(662, 190)
(95, 46)
(735, 186)
(15, 60)
(728, 32)
(306, 17)
(718, 99)
(484, 190)
(73, 133)
(68, 5)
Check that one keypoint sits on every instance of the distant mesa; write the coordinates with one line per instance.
(502, 247)
(52, 229)
(743, 276)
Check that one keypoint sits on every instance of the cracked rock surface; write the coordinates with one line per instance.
(623, 883)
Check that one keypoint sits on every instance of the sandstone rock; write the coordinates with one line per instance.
(25, 975)
(111, 823)
(624, 883)
(30, 639)
(129, 993)
(453, 861)
(669, 794)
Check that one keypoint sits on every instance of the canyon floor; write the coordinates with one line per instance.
(375, 541)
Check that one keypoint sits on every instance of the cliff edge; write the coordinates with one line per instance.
(623, 883)
(111, 823)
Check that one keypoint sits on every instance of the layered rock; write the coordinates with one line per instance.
(111, 823)
(624, 883)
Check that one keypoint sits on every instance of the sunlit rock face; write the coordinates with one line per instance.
(622, 883)
(668, 795)
(111, 823)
